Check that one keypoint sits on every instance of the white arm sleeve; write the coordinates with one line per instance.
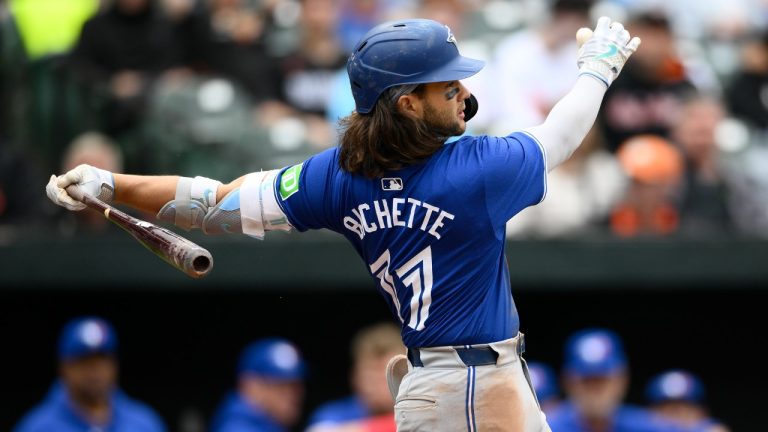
(570, 120)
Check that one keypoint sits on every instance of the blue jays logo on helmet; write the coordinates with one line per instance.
(594, 352)
(415, 51)
(675, 385)
(86, 336)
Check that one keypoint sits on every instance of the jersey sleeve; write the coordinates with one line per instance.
(514, 174)
(306, 195)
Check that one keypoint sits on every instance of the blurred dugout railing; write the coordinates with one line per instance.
(322, 261)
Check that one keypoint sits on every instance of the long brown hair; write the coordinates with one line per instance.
(385, 139)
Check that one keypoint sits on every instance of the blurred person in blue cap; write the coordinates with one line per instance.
(270, 389)
(595, 379)
(544, 382)
(86, 397)
(679, 396)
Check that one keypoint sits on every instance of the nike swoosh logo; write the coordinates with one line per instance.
(612, 51)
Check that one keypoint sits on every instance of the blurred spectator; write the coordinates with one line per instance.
(237, 49)
(704, 200)
(98, 150)
(86, 397)
(358, 16)
(544, 383)
(124, 50)
(270, 390)
(646, 97)
(310, 69)
(679, 396)
(536, 66)
(580, 194)
(655, 169)
(747, 92)
(595, 380)
(372, 348)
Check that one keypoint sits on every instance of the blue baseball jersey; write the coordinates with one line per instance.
(339, 411)
(57, 413)
(432, 234)
(236, 415)
(566, 418)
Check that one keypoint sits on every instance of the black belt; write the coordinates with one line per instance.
(470, 356)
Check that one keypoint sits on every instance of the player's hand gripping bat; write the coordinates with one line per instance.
(171, 247)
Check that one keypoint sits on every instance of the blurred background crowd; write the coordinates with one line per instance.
(224, 87)
(269, 386)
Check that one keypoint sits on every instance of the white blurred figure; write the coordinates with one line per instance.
(580, 194)
(535, 66)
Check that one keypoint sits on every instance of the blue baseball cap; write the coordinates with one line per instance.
(543, 380)
(675, 385)
(594, 352)
(273, 358)
(86, 336)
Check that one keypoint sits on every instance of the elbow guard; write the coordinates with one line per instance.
(251, 209)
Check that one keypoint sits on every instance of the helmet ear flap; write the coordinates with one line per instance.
(470, 107)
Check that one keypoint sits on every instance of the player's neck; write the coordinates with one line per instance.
(95, 410)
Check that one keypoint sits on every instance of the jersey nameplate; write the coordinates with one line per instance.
(397, 212)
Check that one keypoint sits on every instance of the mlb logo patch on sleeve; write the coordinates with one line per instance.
(392, 184)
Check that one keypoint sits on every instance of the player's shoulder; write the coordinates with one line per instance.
(141, 416)
(43, 417)
(340, 410)
(638, 419)
(468, 148)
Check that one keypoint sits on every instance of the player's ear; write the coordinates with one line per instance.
(410, 104)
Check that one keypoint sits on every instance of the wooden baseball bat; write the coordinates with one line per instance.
(174, 249)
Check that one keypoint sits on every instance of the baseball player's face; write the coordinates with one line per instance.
(443, 107)
(685, 413)
(90, 379)
(597, 397)
(282, 400)
(370, 382)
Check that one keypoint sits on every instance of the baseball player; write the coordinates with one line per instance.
(596, 379)
(270, 389)
(679, 395)
(372, 348)
(427, 218)
(86, 397)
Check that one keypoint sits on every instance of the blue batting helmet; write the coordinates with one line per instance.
(594, 352)
(273, 358)
(675, 385)
(87, 336)
(414, 51)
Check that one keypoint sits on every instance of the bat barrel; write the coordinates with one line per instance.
(198, 263)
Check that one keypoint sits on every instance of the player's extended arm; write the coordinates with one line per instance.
(600, 60)
(246, 205)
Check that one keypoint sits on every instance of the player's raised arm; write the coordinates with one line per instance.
(188, 203)
(601, 57)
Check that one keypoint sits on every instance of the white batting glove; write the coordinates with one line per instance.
(91, 180)
(604, 52)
